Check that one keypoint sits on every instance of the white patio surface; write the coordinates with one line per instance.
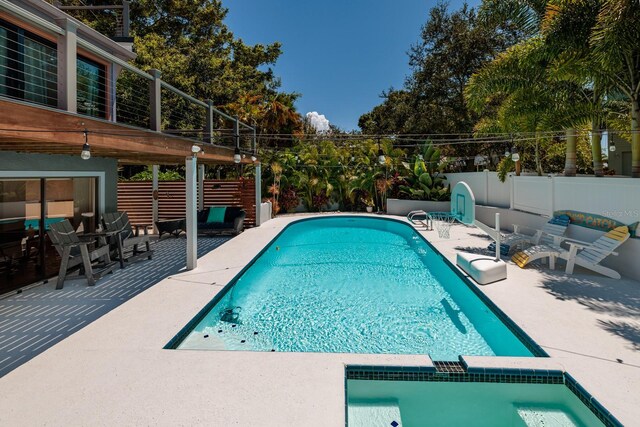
(115, 372)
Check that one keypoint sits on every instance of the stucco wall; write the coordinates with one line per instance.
(10, 161)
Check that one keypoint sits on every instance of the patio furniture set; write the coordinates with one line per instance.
(550, 243)
(212, 220)
(97, 254)
(93, 252)
(545, 244)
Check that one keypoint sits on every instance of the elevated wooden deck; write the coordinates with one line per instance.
(33, 129)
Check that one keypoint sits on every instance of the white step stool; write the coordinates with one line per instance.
(482, 268)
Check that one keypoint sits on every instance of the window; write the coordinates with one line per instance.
(91, 88)
(28, 66)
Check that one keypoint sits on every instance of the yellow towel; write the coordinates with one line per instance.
(520, 259)
(619, 233)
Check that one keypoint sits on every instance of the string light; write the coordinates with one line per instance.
(85, 154)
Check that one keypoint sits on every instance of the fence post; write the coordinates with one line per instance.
(512, 190)
(155, 100)
(67, 66)
(486, 187)
(208, 127)
(552, 194)
(236, 133)
(113, 81)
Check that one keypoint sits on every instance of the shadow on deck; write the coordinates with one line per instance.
(40, 317)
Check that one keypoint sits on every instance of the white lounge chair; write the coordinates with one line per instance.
(550, 234)
(589, 257)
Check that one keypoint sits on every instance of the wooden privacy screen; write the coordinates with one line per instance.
(135, 197)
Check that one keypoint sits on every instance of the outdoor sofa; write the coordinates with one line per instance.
(215, 220)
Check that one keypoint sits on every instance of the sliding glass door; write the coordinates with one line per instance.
(92, 96)
(28, 66)
(28, 206)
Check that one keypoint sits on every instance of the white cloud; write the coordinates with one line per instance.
(318, 121)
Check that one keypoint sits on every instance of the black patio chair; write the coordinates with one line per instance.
(74, 251)
(126, 238)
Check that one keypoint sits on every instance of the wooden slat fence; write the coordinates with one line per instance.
(135, 197)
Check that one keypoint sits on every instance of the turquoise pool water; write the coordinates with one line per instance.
(451, 404)
(353, 285)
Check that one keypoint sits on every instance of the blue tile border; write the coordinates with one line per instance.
(590, 402)
(478, 374)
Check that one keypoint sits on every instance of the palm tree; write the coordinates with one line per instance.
(598, 42)
(573, 97)
(530, 99)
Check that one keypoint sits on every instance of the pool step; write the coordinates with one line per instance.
(199, 342)
(374, 414)
(535, 416)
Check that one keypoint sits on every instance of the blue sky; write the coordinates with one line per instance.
(339, 54)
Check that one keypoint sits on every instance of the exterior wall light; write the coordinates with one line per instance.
(612, 146)
(195, 149)
(237, 158)
(85, 154)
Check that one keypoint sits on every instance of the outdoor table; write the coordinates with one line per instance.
(171, 226)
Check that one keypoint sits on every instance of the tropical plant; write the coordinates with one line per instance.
(425, 180)
(163, 175)
(289, 199)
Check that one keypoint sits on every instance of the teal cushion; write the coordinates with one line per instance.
(633, 229)
(216, 213)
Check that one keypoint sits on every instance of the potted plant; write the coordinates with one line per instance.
(368, 202)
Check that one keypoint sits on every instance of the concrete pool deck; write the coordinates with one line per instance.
(115, 372)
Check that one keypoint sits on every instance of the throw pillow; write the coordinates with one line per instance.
(216, 214)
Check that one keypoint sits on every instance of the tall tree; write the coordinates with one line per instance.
(189, 42)
(452, 46)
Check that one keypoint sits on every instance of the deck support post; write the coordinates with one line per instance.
(192, 232)
(258, 183)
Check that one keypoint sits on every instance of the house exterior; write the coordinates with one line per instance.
(61, 88)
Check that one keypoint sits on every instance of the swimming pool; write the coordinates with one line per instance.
(349, 284)
(531, 398)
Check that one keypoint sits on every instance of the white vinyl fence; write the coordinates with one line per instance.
(617, 198)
